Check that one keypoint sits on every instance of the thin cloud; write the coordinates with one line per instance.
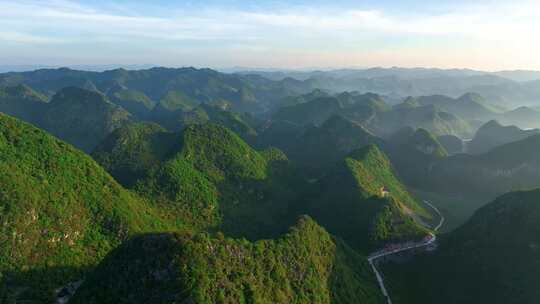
(496, 30)
(24, 38)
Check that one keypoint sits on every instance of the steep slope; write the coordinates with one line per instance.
(131, 152)
(176, 100)
(238, 92)
(135, 102)
(493, 258)
(493, 134)
(206, 175)
(352, 99)
(408, 139)
(319, 148)
(176, 120)
(82, 118)
(363, 202)
(523, 117)
(22, 102)
(452, 144)
(313, 112)
(513, 166)
(426, 117)
(360, 108)
(306, 265)
(470, 106)
(280, 134)
(61, 213)
(423, 141)
(303, 98)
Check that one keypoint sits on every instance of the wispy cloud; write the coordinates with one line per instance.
(282, 30)
(24, 38)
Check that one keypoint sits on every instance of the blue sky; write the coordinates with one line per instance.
(488, 35)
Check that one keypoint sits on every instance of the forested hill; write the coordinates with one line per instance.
(306, 265)
(493, 258)
(61, 213)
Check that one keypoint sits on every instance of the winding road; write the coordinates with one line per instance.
(432, 238)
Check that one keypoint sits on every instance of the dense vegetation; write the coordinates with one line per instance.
(199, 203)
(206, 176)
(491, 259)
(318, 148)
(452, 144)
(426, 143)
(492, 134)
(61, 213)
(135, 102)
(363, 202)
(513, 166)
(307, 265)
(23, 102)
(82, 118)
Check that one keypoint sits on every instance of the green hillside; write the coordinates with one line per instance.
(319, 148)
(469, 106)
(363, 202)
(130, 152)
(426, 143)
(135, 102)
(493, 258)
(523, 117)
(360, 108)
(176, 100)
(22, 102)
(427, 117)
(306, 265)
(241, 93)
(176, 120)
(493, 134)
(82, 118)
(315, 111)
(303, 98)
(510, 167)
(205, 176)
(408, 139)
(452, 144)
(61, 213)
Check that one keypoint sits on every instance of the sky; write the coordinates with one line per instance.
(300, 34)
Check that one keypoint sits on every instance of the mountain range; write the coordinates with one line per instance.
(195, 186)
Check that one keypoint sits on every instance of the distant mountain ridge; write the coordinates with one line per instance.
(508, 88)
(242, 93)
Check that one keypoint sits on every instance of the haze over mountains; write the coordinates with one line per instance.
(185, 185)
